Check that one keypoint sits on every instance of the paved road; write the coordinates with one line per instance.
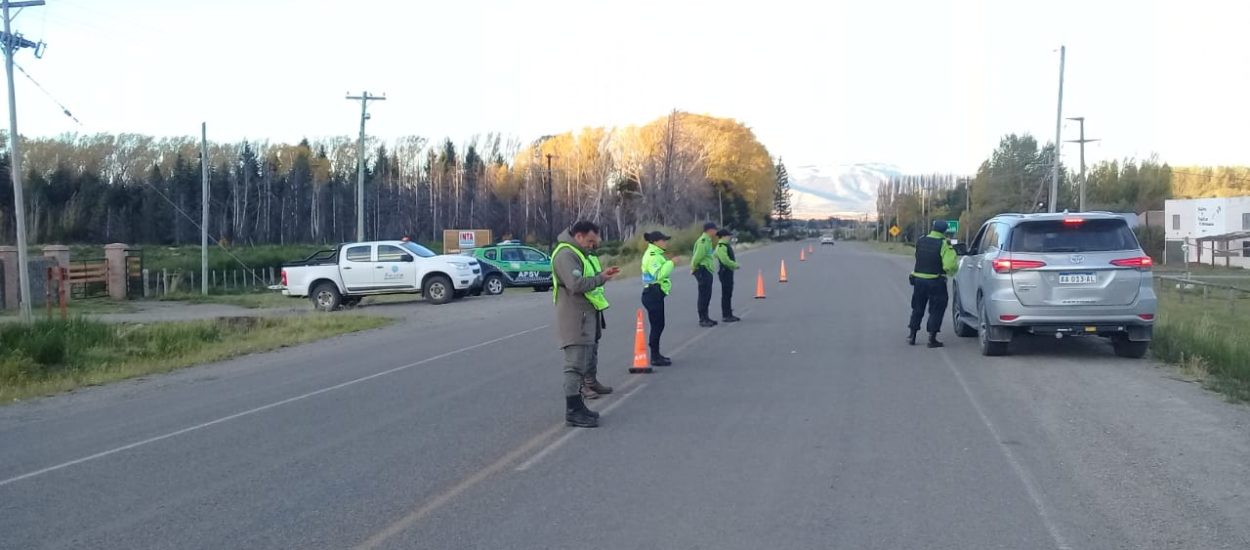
(808, 425)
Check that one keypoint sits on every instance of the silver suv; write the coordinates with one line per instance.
(1055, 274)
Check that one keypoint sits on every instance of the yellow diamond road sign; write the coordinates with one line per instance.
(894, 231)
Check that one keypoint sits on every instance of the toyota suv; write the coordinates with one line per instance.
(1055, 275)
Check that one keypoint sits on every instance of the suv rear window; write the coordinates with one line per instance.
(1084, 236)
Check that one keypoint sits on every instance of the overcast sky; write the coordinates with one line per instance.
(926, 85)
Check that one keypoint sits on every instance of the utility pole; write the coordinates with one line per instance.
(551, 213)
(12, 43)
(1054, 169)
(204, 208)
(1082, 141)
(364, 98)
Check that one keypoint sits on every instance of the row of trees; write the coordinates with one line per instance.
(134, 188)
(1016, 178)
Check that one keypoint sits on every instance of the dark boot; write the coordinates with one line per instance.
(933, 341)
(593, 384)
(587, 393)
(707, 323)
(731, 319)
(577, 415)
(911, 338)
(658, 360)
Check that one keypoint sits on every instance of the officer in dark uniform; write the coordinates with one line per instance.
(728, 263)
(935, 261)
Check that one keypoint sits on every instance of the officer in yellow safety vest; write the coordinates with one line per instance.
(935, 261)
(577, 290)
(656, 284)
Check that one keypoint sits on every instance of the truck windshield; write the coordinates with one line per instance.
(420, 251)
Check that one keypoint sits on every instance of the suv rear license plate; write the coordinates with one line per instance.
(1077, 278)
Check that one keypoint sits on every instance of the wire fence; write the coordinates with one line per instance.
(161, 283)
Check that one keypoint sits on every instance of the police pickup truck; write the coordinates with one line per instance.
(345, 275)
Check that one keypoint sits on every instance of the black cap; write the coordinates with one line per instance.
(655, 236)
(709, 225)
(940, 226)
(723, 233)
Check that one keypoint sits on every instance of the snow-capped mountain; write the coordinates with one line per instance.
(823, 191)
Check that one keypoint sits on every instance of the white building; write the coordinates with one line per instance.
(1208, 229)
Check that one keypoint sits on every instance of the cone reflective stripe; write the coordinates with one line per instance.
(641, 364)
(759, 285)
(783, 272)
(802, 255)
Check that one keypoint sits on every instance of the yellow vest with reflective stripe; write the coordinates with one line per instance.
(590, 267)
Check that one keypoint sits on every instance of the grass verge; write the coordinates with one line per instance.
(48, 357)
(900, 249)
(1206, 338)
(250, 300)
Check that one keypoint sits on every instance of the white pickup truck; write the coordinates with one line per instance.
(344, 275)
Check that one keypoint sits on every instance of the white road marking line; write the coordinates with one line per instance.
(1026, 479)
(262, 408)
(573, 433)
(481, 475)
(1022, 474)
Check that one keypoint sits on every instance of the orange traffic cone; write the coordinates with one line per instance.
(759, 285)
(783, 272)
(810, 250)
(641, 365)
(802, 255)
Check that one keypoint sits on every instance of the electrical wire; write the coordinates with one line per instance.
(64, 109)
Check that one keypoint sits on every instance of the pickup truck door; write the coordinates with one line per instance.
(357, 267)
(395, 269)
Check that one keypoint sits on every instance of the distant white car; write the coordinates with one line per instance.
(827, 239)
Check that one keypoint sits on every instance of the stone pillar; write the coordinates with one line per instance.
(115, 255)
(8, 285)
(59, 253)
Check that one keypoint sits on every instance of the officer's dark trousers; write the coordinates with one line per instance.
(705, 291)
(726, 293)
(930, 292)
(653, 300)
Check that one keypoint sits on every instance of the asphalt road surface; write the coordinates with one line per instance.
(808, 425)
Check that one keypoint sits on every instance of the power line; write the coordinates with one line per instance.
(197, 225)
(64, 109)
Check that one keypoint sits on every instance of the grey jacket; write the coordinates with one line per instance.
(577, 321)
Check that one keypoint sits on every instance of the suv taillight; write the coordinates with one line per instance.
(1143, 263)
(283, 277)
(1009, 265)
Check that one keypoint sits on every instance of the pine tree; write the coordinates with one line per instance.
(781, 196)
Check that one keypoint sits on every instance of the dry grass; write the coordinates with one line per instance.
(49, 357)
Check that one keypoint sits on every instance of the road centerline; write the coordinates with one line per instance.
(263, 408)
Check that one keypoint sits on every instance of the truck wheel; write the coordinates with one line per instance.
(438, 289)
(326, 297)
(493, 285)
(1128, 348)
